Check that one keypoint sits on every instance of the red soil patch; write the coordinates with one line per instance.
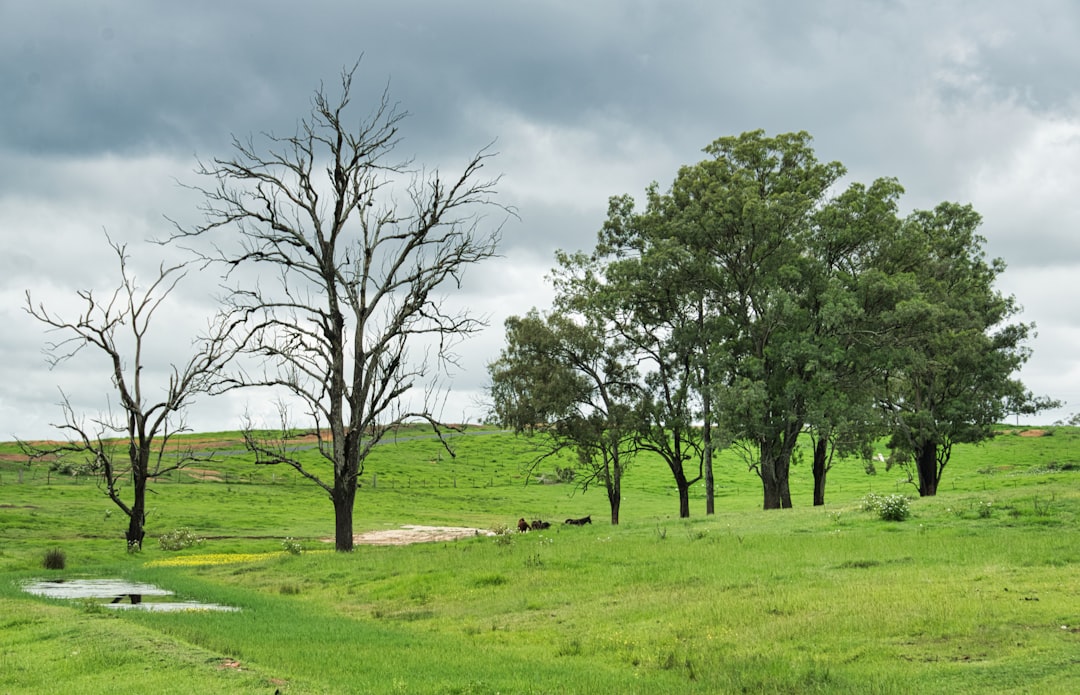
(1032, 433)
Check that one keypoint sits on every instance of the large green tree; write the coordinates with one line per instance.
(650, 294)
(952, 371)
(843, 303)
(748, 214)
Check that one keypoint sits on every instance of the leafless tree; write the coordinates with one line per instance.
(335, 279)
(133, 444)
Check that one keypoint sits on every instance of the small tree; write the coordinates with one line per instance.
(353, 277)
(133, 444)
(568, 381)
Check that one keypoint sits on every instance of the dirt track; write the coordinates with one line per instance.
(417, 534)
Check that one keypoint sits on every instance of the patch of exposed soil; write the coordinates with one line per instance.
(204, 474)
(1032, 433)
(416, 534)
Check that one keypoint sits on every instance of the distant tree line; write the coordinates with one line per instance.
(754, 302)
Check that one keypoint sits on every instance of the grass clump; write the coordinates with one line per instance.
(55, 559)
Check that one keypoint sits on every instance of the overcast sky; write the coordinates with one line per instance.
(106, 106)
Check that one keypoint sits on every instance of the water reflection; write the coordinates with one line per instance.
(120, 591)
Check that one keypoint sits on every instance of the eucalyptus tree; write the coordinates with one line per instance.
(338, 258)
(130, 448)
(567, 378)
(952, 372)
(748, 214)
(651, 298)
(845, 302)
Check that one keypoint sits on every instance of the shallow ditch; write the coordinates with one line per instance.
(124, 594)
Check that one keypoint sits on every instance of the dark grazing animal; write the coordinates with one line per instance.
(523, 526)
(580, 522)
(538, 525)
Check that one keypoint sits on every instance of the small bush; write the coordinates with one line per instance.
(887, 507)
(984, 509)
(178, 539)
(292, 546)
(55, 559)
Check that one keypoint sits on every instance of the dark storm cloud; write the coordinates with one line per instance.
(107, 104)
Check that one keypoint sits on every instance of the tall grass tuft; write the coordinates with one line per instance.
(55, 559)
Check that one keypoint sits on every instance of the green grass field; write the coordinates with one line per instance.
(977, 592)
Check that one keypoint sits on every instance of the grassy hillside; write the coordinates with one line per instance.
(976, 592)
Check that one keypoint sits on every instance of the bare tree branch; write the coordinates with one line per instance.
(132, 444)
(356, 277)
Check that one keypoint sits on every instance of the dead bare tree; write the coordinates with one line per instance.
(133, 444)
(355, 277)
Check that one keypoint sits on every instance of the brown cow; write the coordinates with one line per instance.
(523, 526)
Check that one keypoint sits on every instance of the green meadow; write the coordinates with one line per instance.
(978, 591)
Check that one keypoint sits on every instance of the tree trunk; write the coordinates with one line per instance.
(820, 452)
(140, 462)
(926, 464)
(769, 485)
(783, 477)
(710, 481)
(614, 490)
(684, 498)
(616, 501)
(770, 477)
(136, 530)
(343, 498)
(774, 466)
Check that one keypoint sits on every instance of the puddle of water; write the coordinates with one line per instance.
(119, 590)
(92, 588)
(173, 606)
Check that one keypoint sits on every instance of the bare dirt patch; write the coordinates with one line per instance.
(204, 474)
(1032, 433)
(416, 534)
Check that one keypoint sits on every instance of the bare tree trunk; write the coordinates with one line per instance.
(707, 457)
(820, 454)
(927, 466)
(358, 280)
(344, 496)
(614, 493)
(137, 516)
(149, 425)
(774, 465)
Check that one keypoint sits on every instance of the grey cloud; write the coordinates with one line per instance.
(106, 103)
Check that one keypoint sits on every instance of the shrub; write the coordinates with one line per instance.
(55, 559)
(292, 546)
(888, 507)
(178, 539)
(503, 534)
